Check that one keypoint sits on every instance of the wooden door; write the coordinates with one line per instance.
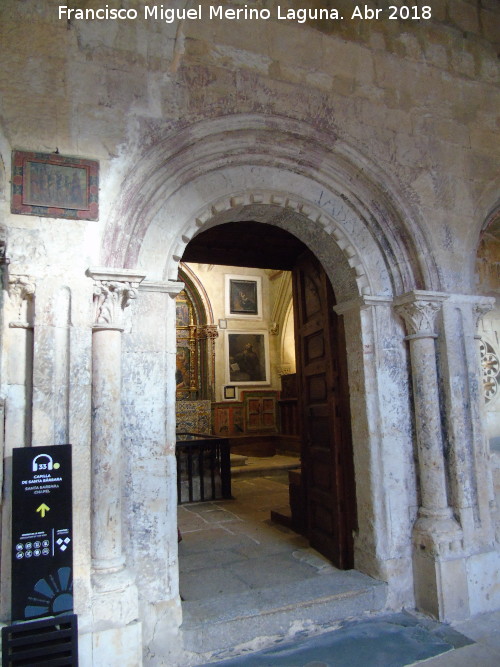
(327, 465)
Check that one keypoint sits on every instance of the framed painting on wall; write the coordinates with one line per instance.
(187, 354)
(183, 368)
(243, 297)
(230, 393)
(54, 186)
(247, 358)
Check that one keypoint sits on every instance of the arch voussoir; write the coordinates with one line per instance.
(330, 186)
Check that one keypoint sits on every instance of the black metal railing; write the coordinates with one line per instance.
(203, 468)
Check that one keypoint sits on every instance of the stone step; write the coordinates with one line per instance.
(282, 516)
(238, 460)
(253, 469)
(220, 628)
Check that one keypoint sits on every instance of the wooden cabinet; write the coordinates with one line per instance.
(260, 412)
(228, 418)
(257, 412)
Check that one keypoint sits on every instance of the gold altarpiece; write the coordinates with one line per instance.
(195, 359)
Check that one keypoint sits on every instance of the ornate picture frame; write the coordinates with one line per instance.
(247, 358)
(243, 297)
(54, 186)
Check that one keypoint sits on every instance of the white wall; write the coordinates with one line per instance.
(214, 279)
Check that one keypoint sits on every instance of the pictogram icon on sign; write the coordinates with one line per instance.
(43, 509)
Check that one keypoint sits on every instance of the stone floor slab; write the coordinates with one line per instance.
(392, 641)
(238, 574)
(213, 582)
(266, 571)
(211, 540)
(483, 628)
(252, 578)
(476, 655)
(197, 562)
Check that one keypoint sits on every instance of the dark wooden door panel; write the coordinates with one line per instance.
(324, 419)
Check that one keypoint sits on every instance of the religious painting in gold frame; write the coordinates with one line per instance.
(186, 361)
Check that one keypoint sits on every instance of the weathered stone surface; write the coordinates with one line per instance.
(376, 143)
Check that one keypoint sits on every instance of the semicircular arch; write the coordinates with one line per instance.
(277, 171)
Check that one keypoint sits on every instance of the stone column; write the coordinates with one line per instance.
(462, 398)
(481, 307)
(113, 292)
(439, 568)
(17, 346)
(419, 311)
(211, 333)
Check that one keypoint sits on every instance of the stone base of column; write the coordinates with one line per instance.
(436, 531)
(161, 634)
(114, 599)
(439, 566)
(114, 647)
(441, 588)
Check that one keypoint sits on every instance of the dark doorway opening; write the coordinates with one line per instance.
(325, 509)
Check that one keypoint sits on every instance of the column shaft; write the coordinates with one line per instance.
(114, 595)
(428, 427)
(106, 446)
(419, 311)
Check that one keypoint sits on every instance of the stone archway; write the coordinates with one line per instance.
(225, 164)
(284, 174)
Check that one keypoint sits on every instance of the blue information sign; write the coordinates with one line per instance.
(42, 533)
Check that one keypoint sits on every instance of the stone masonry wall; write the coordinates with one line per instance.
(419, 99)
(413, 104)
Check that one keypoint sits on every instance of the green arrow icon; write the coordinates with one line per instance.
(43, 509)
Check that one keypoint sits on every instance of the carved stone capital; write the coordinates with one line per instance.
(209, 331)
(21, 289)
(110, 300)
(114, 290)
(419, 311)
(274, 328)
(480, 309)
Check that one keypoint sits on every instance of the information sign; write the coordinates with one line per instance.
(42, 534)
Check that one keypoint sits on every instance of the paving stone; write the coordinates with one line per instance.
(209, 583)
(263, 572)
(198, 561)
(211, 540)
(392, 641)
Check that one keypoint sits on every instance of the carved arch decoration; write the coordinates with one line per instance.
(487, 272)
(220, 170)
(487, 256)
(490, 367)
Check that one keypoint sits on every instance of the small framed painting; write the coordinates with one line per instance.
(243, 297)
(54, 186)
(247, 358)
(230, 393)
